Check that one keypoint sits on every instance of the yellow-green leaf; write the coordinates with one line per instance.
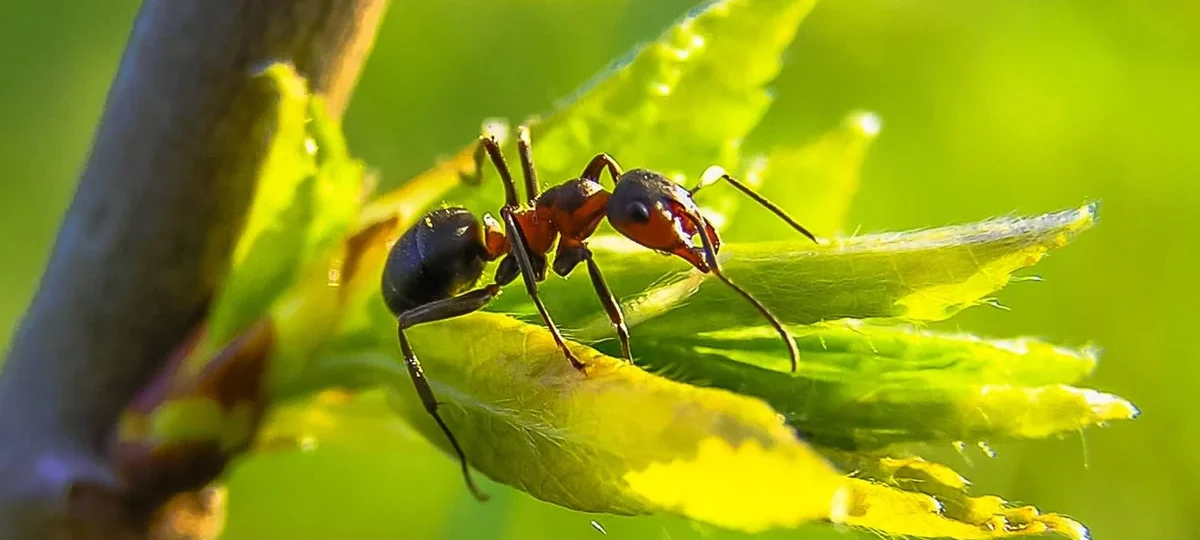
(868, 386)
(924, 275)
(814, 183)
(644, 110)
(615, 440)
(916, 498)
(307, 194)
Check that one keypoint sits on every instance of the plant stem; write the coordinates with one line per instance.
(148, 235)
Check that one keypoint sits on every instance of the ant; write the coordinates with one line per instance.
(432, 269)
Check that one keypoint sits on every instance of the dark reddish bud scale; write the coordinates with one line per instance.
(231, 387)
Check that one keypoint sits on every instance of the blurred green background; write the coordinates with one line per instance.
(989, 107)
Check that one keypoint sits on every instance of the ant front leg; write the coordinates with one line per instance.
(611, 307)
(598, 164)
(436, 311)
(519, 251)
(566, 260)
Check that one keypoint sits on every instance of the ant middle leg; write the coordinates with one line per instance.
(436, 311)
(518, 245)
(519, 251)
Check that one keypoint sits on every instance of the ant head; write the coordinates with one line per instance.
(659, 214)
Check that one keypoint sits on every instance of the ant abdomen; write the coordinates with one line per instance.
(441, 256)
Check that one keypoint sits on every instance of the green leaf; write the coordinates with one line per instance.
(863, 386)
(308, 193)
(714, 438)
(814, 183)
(643, 110)
(407, 203)
(924, 275)
(615, 440)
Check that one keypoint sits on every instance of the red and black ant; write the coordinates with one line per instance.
(432, 269)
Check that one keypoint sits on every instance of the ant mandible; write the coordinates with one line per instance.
(432, 269)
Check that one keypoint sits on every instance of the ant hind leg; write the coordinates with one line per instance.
(431, 405)
(435, 311)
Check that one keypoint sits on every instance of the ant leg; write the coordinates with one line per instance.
(449, 308)
(435, 311)
(775, 209)
(710, 254)
(598, 164)
(492, 147)
(525, 149)
(569, 257)
(431, 405)
(519, 250)
(610, 306)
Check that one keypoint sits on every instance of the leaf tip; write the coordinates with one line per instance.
(1087, 216)
(283, 77)
(1111, 407)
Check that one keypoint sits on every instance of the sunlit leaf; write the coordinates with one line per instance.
(867, 386)
(814, 183)
(307, 194)
(925, 275)
(644, 110)
(527, 418)
(712, 424)
(615, 440)
(914, 497)
(204, 406)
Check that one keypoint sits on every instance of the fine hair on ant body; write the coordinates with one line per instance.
(433, 268)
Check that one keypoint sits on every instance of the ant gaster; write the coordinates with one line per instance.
(432, 269)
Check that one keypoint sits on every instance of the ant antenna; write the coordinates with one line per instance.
(711, 255)
(525, 149)
(708, 179)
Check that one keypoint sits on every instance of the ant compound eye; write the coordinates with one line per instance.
(638, 212)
